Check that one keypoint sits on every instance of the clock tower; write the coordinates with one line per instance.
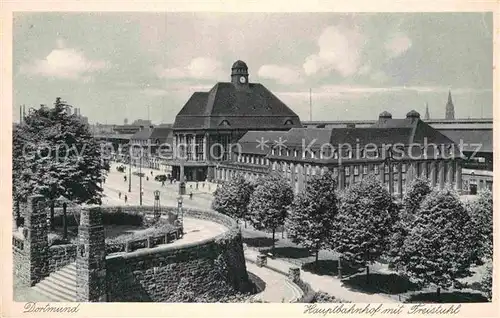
(239, 74)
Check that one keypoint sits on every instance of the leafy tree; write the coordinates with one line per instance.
(487, 281)
(417, 191)
(312, 213)
(437, 249)
(269, 203)
(364, 222)
(232, 197)
(56, 155)
(481, 213)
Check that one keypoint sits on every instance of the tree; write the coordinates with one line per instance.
(364, 222)
(269, 203)
(487, 281)
(233, 197)
(481, 214)
(417, 191)
(312, 213)
(56, 155)
(437, 249)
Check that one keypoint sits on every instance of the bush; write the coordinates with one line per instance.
(120, 168)
(322, 297)
(118, 244)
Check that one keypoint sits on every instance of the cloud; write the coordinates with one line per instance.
(65, 63)
(198, 68)
(339, 50)
(397, 44)
(281, 74)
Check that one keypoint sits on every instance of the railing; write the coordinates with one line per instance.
(147, 242)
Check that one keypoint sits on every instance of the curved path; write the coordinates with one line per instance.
(278, 287)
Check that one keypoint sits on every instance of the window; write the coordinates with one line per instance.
(295, 152)
(272, 151)
(267, 161)
(365, 169)
(312, 154)
(224, 123)
(288, 152)
(356, 170)
(375, 169)
(335, 154)
(403, 167)
(386, 168)
(288, 122)
(347, 171)
(394, 168)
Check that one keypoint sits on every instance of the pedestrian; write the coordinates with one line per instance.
(147, 178)
(119, 195)
(151, 172)
(191, 195)
(196, 185)
(125, 178)
(126, 199)
(163, 183)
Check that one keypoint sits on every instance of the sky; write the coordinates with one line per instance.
(116, 66)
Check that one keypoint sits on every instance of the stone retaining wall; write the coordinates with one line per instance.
(212, 268)
(61, 255)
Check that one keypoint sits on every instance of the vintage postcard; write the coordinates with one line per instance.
(261, 162)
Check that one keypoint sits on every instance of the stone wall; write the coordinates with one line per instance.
(61, 255)
(209, 269)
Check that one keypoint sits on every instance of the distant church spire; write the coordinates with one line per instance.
(427, 116)
(450, 109)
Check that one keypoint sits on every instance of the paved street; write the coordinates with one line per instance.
(168, 194)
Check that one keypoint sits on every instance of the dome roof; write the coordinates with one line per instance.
(413, 114)
(239, 64)
(385, 114)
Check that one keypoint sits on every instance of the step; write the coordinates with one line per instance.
(68, 270)
(70, 281)
(63, 290)
(63, 283)
(54, 293)
(68, 276)
(44, 294)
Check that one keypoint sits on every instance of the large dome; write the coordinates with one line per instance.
(239, 64)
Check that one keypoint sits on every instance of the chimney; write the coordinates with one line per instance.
(75, 111)
(151, 127)
(141, 127)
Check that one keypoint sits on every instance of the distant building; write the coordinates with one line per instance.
(450, 109)
(374, 149)
(427, 115)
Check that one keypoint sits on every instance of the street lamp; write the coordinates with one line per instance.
(129, 172)
(157, 208)
(180, 214)
(140, 178)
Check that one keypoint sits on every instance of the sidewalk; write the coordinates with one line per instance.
(328, 284)
(278, 289)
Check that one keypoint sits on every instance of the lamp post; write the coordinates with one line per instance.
(180, 214)
(140, 179)
(157, 208)
(129, 172)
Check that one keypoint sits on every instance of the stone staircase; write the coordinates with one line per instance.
(59, 286)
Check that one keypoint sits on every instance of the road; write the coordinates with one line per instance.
(168, 194)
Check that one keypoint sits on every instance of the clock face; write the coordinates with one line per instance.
(243, 79)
